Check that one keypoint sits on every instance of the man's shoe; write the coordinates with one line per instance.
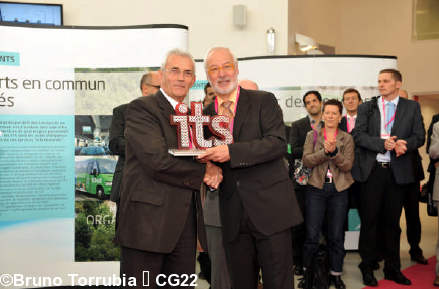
(436, 281)
(420, 259)
(397, 277)
(298, 270)
(201, 275)
(337, 282)
(368, 278)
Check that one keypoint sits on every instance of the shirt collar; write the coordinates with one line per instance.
(231, 98)
(312, 121)
(172, 101)
(395, 101)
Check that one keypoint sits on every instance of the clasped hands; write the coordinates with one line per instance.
(330, 146)
(213, 176)
(400, 146)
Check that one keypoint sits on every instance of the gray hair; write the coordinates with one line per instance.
(178, 52)
(213, 49)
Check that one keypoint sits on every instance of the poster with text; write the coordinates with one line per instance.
(58, 87)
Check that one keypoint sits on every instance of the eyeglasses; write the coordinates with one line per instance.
(176, 72)
(156, 86)
(213, 71)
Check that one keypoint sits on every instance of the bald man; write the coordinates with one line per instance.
(248, 84)
(403, 93)
(149, 83)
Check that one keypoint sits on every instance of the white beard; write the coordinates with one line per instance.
(226, 90)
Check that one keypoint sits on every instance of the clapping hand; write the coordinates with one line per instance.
(330, 145)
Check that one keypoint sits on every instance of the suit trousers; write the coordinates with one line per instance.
(411, 208)
(220, 274)
(180, 261)
(299, 232)
(381, 201)
(251, 251)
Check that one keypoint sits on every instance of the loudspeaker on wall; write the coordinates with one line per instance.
(239, 16)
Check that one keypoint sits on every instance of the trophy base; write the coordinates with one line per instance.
(186, 153)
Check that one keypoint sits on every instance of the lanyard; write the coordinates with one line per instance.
(234, 112)
(384, 112)
(324, 133)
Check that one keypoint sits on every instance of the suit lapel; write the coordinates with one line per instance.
(400, 112)
(375, 119)
(167, 110)
(241, 112)
(164, 105)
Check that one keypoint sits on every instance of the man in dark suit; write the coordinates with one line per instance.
(411, 207)
(312, 100)
(257, 202)
(159, 199)
(388, 131)
(351, 101)
(434, 120)
(149, 84)
(431, 166)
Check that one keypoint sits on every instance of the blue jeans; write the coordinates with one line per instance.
(335, 203)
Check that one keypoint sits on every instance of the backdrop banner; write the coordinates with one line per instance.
(58, 87)
(290, 77)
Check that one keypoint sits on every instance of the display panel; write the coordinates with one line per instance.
(31, 13)
(56, 104)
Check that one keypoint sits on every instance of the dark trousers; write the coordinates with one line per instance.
(411, 208)
(378, 192)
(299, 232)
(332, 204)
(180, 261)
(251, 250)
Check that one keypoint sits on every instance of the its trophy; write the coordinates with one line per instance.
(190, 130)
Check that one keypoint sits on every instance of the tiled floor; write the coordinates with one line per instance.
(352, 275)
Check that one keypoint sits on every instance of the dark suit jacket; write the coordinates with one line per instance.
(117, 146)
(408, 125)
(298, 132)
(343, 125)
(255, 177)
(431, 167)
(157, 188)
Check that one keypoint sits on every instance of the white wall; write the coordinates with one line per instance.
(318, 19)
(210, 22)
(352, 26)
(385, 28)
